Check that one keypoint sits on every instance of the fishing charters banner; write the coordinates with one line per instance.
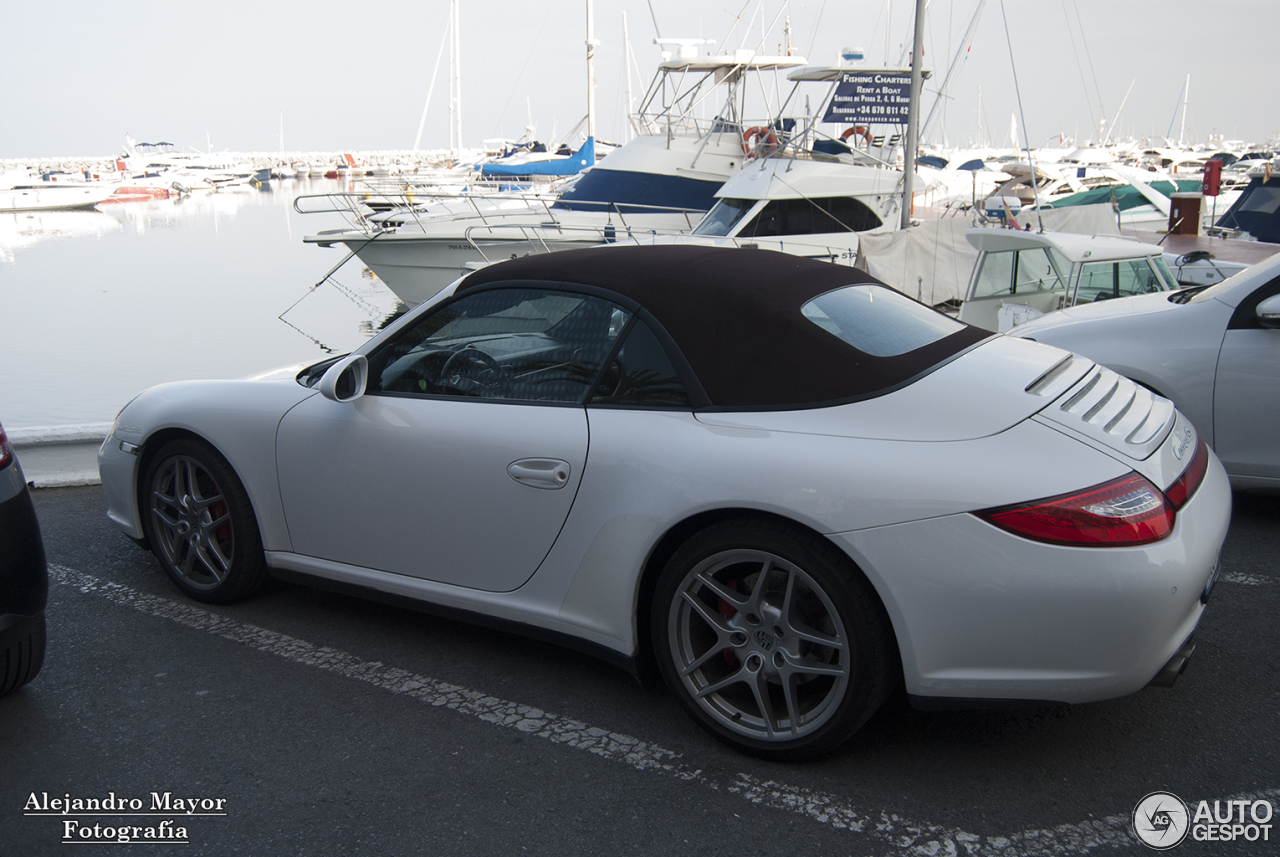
(866, 96)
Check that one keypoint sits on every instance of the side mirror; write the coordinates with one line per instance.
(1268, 312)
(346, 379)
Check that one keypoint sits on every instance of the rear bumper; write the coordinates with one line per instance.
(984, 614)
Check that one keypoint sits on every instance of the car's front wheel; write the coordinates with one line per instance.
(201, 523)
(772, 639)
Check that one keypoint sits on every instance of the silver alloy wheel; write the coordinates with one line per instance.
(759, 645)
(192, 522)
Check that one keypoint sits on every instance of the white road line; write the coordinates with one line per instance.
(899, 835)
(1246, 579)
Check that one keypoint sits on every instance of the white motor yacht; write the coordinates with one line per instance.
(22, 192)
(660, 182)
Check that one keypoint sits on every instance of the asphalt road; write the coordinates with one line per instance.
(332, 725)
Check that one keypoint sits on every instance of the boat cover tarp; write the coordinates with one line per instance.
(572, 165)
(932, 262)
(1126, 196)
(1081, 219)
(1257, 211)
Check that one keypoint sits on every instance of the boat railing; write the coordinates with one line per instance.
(373, 213)
(359, 208)
(547, 237)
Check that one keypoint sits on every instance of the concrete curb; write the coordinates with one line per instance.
(59, 456)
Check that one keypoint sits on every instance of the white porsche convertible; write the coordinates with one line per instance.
(777, 483)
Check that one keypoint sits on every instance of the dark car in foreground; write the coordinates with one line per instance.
(24, 584)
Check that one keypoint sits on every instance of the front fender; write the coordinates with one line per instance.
(237, 418)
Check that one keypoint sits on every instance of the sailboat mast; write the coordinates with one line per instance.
(591, 70)
(455, 81)
(1182, 132)
(626, 55)
(913, 119)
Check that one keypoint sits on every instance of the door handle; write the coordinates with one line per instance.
(548, 473)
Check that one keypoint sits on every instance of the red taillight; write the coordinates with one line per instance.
(6, 451)
(1125, 511)
(1180, 491)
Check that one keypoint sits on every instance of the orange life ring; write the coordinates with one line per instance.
(766, 138)
(859, 130)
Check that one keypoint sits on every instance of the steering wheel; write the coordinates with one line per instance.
(471, 372)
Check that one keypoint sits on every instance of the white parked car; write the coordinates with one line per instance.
(1215, 351)
(785, 486)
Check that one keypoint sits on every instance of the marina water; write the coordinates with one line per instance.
(100, 304)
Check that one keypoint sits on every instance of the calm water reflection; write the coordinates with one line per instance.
(99, 305)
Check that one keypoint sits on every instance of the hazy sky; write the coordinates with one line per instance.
(80, 74)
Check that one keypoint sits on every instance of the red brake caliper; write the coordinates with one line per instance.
(223, 533)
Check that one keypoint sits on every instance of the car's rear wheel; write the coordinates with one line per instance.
(201, 523)
(772, 639)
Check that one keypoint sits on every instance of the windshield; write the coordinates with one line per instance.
(723, 216)
(1117, 279)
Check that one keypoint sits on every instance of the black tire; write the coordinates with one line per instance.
(772, 639)
(22, 658)
(201, 524)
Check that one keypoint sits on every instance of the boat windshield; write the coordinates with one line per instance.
(1170, 281)
(1117, 279)
(723, 216)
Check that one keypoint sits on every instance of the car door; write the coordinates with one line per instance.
(461, 461)
(1246, 393)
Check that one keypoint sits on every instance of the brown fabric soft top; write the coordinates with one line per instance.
(736, 317)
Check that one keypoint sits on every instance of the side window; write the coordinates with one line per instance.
(764, 224)
(641, 375)
(995, 276)
(1036, 273)
(811, 217)
(526, 345)
(853, 213)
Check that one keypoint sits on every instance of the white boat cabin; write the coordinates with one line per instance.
(1022, 275)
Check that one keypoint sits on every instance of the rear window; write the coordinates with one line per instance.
(878, 321)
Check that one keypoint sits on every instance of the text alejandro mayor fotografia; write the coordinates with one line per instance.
(161, 817)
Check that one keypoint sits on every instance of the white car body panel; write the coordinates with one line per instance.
(427, 481)
(239, 419)
(1226, 381)
(1246, 406)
